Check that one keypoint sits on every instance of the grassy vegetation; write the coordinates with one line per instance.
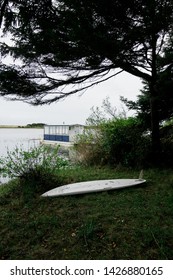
(134, 223)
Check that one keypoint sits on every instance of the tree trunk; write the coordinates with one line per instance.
(156, 147)
(155, 133)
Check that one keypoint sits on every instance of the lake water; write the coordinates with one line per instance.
(18, 137)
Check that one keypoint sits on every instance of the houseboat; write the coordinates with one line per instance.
(62, 133)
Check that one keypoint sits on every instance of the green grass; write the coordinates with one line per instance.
(134, 223)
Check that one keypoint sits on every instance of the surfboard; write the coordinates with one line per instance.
(93, 186)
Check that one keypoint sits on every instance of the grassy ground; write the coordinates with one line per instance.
(134, 223)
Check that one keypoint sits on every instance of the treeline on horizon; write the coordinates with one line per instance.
(32, 125)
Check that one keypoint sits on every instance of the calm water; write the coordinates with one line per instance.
(20, 137)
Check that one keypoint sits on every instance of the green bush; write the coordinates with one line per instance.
(38, 166)
(124, 142)
(117, 141)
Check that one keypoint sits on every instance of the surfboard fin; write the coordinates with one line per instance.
(141, 174)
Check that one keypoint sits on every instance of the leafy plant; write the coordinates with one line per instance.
(125, 142)
(20, 163)
(117, 141)
(38, 165)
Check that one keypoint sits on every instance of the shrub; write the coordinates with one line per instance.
(124, 142)
(117, 141)
(37, 166)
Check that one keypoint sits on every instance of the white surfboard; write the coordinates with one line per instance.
(93, 186)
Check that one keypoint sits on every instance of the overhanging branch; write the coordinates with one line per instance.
(134, 71)
(57, 90)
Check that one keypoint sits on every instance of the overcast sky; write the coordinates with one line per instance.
(74, 109)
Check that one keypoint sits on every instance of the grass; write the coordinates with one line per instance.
(134, 223)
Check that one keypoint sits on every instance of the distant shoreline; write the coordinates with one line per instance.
(39, 126)
(20, 127)
(11, 126)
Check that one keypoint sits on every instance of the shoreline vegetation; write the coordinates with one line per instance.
(32, 125)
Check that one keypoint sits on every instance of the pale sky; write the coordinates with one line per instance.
(74, 109)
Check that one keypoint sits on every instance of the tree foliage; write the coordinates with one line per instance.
(70, 42)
